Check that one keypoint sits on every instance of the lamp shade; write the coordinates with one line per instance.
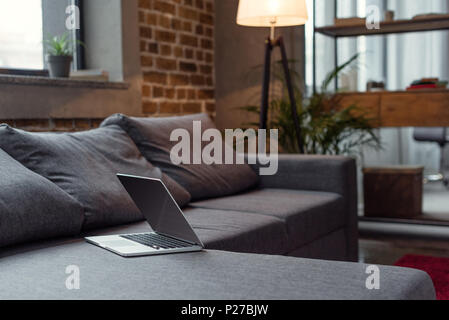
(267, 13)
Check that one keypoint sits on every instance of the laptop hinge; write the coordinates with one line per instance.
(179, 239)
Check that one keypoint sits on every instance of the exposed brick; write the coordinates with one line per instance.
(146, 61)
(32, 123)
(146, 32)
(188, 53)
(191, 94)
(210, 81)
(206, 18)
(164, 6)
(210, 6)
(164, 22)
(189, 40)
(170, 107)
(187, 26)
(205, 94)
(191, 107)
(176, 24)
(178, 52)
(95, 123)
(158, 92)
(187, 13)
(155, 77)
(169, 93)
(178, 80)
(153, 47)
(187, 67)
(63, 124)
(166, 64)
(146, 91)
(188, 2)
(166, 50)
(149, 107)
(145, 4)
(198, 80)
(165, 36)
(176, 43)
(206, 44)
(199, 29)
(83, 124)
(199, 4)
(209, 32)
(181, 94)
(151, 19)
(141, 16)
(210, 107)
(206, 69)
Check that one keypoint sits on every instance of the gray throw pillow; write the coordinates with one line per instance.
(152, 137)
(85, 165)
(33, 208)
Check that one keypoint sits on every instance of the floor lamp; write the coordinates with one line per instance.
(274, 13)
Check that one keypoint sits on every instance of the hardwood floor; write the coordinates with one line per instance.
(386, 251)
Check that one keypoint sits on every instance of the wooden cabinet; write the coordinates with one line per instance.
(424, 108)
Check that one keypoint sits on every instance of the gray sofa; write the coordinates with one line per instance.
(307, 210)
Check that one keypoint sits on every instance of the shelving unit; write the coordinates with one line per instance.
(390, 27)
(393, 109)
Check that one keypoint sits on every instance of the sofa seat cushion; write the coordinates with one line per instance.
(152, 137)
(208, 275)
(227, 230)
(85, 165)
(33, 208)
(238, 231)
(307, 215)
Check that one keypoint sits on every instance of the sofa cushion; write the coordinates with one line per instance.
(208, 275)
(85, 165)
(307, 215)
(33, 208)
(152, 137)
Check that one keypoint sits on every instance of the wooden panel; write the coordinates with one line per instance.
(415, 109)
(389, 27)
(369, 103)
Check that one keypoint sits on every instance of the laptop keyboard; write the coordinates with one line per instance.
(156, 241)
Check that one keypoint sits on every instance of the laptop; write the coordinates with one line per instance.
(171, 232)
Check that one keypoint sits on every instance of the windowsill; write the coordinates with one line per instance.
(61, 82)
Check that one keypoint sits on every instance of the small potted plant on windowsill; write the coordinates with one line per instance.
(59, 56)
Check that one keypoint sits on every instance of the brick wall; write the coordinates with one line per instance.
(177, 42)
(56, 125)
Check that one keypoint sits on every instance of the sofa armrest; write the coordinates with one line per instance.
(323, 174)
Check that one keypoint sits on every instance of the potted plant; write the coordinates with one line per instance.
(59, 56)
(326, 127)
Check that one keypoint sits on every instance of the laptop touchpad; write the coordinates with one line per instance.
(119, 243)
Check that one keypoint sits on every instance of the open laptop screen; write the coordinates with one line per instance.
(158, 207)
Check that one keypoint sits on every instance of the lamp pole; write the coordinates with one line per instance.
(270, 44)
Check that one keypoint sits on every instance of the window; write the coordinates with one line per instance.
(24, 24)
(21, 34)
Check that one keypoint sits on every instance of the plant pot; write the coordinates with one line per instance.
(59, 66)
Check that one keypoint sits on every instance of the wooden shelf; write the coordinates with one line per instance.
(390, 27)
(419, 108)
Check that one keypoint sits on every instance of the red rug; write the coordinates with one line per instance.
(437, 268)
